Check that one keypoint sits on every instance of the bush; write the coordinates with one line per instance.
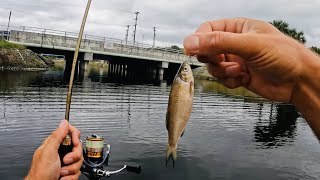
(7, 45)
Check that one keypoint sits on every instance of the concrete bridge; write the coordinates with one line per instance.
(126, 60)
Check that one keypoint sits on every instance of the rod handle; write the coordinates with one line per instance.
(65, 147)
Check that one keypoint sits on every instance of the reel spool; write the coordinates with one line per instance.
(95, 148)
(95, 153)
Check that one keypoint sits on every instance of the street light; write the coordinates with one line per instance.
(8, 26)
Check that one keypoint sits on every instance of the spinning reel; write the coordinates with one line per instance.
(96, 155)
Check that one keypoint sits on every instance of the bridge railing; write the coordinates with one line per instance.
(56, 38)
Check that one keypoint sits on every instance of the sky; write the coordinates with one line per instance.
(173, 19)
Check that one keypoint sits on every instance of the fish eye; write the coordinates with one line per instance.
(185, 69)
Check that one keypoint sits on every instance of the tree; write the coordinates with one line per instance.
(284, 27)
(315, 49)
(175, 47)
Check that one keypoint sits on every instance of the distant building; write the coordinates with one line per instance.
(4, 34)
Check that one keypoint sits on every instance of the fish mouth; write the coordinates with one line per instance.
(178, 70)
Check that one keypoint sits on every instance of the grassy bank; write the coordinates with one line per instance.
(16, 57)
(202, 73)
(7, 45)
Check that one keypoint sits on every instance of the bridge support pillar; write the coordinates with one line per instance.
(110, 69)
(82, 65)
(117, 70)
(68, 67)
(83, 69)
(161, 67)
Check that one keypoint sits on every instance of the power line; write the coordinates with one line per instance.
(106, 24)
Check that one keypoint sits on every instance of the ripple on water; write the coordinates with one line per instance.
(226, 137)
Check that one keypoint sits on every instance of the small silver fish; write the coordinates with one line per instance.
(179, 109)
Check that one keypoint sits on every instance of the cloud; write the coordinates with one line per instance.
(173, 19)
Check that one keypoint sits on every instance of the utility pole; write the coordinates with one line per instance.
(135, 28)
(8, 27)
(127, 33)
(154, 36)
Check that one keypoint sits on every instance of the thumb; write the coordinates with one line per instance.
(57, 136)
(220, 42)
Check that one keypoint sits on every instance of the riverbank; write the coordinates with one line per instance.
(203, 74)
(17, 58)
(214, 86)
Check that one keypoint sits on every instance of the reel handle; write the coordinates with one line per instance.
(65, 147)
(135, 169)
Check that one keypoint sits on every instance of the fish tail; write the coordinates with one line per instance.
(171, 153)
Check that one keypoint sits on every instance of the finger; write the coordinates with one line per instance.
(75, 135)
(224, 69)
(218, 42)
(45, 141)
(57, 136)
(72, 177)
(234, 25)
(71, 169)
(212, 59)
(204, 27)
(74, 156)
(232, 83)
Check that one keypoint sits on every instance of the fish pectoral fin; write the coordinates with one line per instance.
(191, 87)
(182, 133)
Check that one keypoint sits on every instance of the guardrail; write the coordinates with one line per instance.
(115, 45)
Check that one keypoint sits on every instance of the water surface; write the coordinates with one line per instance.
(227, 137)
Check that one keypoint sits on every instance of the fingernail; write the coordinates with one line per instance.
(68, 161)
(64, 172)
(191, 43)
(232, 71)
(63, 123)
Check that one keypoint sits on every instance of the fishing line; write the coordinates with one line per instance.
(178, 70)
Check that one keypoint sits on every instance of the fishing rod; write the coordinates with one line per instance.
(66, 146)
(95, 155)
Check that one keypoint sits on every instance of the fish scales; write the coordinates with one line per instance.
(179, 108)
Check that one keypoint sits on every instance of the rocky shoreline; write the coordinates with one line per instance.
(22, 69)
(22, 60)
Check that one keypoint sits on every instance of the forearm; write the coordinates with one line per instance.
(306, 95)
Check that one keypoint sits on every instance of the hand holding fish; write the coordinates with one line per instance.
(256, 55)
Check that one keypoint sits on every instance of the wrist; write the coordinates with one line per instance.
(306, 94)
